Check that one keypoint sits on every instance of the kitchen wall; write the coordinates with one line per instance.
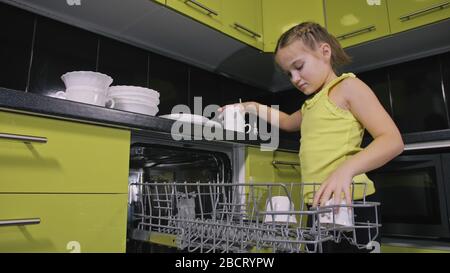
(35, 51)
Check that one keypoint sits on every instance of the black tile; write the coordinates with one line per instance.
(16, 28)
(171, 79)
(60, 48)
(233, 90)
(378, 81)
(206, 85)
(126, 64)
(417, 96)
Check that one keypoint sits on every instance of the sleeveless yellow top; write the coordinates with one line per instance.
(329, 136)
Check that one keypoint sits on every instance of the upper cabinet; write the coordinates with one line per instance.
(407, 14)
(161, 1)
(279, 16)
(357, 21)
(206, 11)
(243, 21)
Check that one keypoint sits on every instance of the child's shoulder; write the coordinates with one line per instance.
(351, 85)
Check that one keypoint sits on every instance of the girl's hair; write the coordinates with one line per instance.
(311, 34)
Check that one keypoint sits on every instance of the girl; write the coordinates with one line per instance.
(333, 118)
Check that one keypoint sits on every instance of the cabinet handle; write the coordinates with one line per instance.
(252, 33)
(20, 222)
(423, 11)
(358, 32)
(200, 5)
(288, 163)
(25, 139)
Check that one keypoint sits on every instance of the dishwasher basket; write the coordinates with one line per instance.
(238, 218)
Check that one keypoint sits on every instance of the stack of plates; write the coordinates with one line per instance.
(135, 99)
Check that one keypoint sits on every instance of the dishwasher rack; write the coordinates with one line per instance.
(240, 218)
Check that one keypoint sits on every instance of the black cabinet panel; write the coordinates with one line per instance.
(445, 62)
(289, 101)
(417, 96)
(16, 28)
(171, 79)
(60, 48)
(126, 64)
(378, 81)
(233, 91)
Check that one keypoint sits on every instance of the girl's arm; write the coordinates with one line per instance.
(387, 141)
(289, 123)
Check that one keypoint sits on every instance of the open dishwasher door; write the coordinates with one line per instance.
(154, 203)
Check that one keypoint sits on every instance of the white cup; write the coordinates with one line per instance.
(280, 204)
(86, 94)
(344, 217)
(234, 119)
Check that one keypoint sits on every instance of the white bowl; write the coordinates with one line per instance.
(137, 108)
(135, 98)
(133, 90)
(91, 79)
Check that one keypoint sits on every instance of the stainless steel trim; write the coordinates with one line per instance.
(357, 32)
(253, 34)
(427, 145)
(23, 138)
(288, 163)
(433, 8)
(20, 222)
(200, 5)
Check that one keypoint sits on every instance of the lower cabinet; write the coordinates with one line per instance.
(63, 222)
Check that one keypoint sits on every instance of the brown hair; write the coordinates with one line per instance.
(311, 34)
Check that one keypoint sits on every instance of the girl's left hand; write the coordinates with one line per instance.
(337, 183)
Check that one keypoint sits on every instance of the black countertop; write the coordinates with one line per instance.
(12, 100)
(19, 101)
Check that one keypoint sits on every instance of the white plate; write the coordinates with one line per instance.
(190, 118)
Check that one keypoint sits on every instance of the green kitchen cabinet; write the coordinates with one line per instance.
(163, 2)
(63, 157)
(357, 21)
(408, 14)
(63, 222)
(280, 16)
(243, 21)
(208, 12)
(258, 166)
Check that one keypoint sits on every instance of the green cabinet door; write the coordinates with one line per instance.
(243, 21)
(74, 157)
(63, 222)
(407, 14)
(163, 2)
(280, 16)
(208, 12)
(357, 21)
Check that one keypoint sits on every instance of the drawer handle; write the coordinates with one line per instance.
(25, 139)
(423, 11)
(246, 30)
(288, 163)
(357, 32)
(20, 222)
(200, 5)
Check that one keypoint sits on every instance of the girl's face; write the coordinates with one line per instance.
(307, 69)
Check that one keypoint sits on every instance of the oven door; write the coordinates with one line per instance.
(413, 197)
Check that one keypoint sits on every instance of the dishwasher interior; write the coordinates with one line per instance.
(190, 198)
(156, 164)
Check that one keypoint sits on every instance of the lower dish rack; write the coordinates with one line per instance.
(242, 218)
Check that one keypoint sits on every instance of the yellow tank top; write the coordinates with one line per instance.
(329, 136)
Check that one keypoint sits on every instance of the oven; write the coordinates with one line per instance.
(414, 194)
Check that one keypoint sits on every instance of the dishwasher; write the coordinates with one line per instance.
(192, 198)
